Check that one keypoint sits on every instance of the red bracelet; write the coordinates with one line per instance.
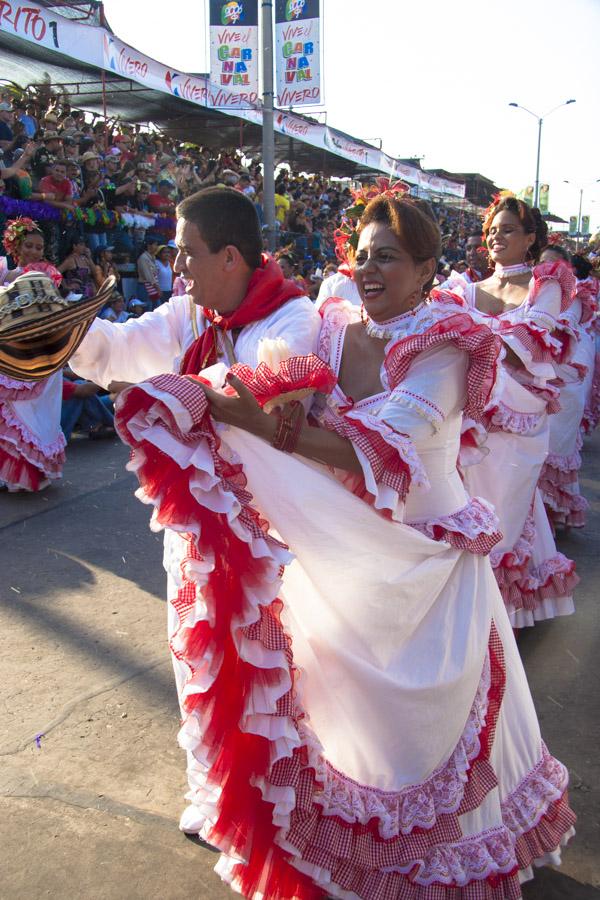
(288, 429)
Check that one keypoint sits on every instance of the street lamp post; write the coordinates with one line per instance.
(540, 121)
(566, 181)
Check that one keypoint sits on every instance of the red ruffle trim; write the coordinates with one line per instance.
(478, 341)
(18, 474)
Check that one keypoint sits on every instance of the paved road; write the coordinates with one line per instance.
(91, 812)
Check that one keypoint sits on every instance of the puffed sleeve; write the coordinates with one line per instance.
(137, 349)
(433, 388)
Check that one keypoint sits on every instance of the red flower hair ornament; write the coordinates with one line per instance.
(15, 231)
(346, 236)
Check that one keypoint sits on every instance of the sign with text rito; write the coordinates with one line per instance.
(234, 57)
(298, 53)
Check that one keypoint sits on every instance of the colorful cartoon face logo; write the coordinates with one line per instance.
(231, 13)
(294, 9)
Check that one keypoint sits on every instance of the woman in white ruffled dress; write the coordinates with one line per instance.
(524, 304)
(356, 713)
(559, 479)
(32, 445)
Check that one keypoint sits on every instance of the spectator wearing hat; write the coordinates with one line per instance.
(115, 310)
(47, 153)
(70, 147)
(90, 164)
(111, 168)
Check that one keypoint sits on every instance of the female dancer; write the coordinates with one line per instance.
(588, 285)
(370, 734)
(31, 441)
(525, 307)
(559, 482)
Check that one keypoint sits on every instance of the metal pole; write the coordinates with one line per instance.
(268, 134)
(579, 216)
(537, 167)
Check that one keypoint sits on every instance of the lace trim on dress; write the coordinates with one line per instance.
(415, 806)
(421, 405)
(16, 436)
(11, 389)
(475, 527)
(504, 418)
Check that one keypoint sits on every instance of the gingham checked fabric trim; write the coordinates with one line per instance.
(298, 373)
(458, 328)
(559, 271)
(391, 456)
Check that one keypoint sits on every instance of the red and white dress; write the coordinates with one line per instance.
(559, 481)
(32, 445)
(356, 715)
(591, 415)
(536, 580)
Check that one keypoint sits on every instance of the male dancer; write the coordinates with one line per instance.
(235, 296)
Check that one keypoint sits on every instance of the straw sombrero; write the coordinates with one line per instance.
(39, 329)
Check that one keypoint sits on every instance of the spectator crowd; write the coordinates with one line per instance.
(104, 195)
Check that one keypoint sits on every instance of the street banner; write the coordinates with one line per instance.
(298, 53)
(234, 58)
(572, 226)
(585, 225)
(527, 195)
(544, 198)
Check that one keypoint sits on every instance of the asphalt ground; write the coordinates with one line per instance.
(91, 777)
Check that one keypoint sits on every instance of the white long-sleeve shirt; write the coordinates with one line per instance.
(155, 344)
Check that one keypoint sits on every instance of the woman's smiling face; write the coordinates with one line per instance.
(388, 279)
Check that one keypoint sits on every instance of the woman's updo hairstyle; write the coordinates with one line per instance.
(529, 217)
(560, 251)
(581, 266)
(413, 223)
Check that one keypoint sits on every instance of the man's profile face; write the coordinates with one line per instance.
(202, 270)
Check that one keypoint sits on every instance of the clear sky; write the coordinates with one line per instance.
(434, 79)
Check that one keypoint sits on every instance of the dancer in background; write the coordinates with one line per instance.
(31, 441)
(588, 286)
(357, 718)
(524, 304)
(559, 478)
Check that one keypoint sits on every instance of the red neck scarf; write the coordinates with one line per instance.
(267, 291)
